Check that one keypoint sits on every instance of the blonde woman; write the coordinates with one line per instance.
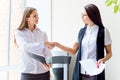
(30, 39)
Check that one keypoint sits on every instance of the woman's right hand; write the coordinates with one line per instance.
(55, 43)
(50, 45)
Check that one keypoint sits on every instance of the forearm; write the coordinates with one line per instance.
(108, 53)
(107, 57)
(65, 48)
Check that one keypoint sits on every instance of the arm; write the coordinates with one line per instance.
(48, 44)
(108, 54)
(72, 50)
(107, 43)
(30, 47)
(108, 50)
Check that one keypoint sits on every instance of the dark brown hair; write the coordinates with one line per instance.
(94, 14)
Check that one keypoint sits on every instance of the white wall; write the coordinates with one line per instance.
(44, 13)
(66, 22)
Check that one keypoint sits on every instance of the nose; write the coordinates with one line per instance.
(38, 17)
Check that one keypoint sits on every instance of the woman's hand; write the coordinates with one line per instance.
(47, 66)
(55, 43)
(50, 45)
(101, 61)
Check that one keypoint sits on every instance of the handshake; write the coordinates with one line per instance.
(51, 45)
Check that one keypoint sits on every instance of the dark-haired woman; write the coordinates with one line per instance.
(92, 40)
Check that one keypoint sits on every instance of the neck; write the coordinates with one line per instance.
(31, 27)
(91, 24)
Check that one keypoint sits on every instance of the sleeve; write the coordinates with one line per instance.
(28, 47)
(107, 37)
(47, 52)
(45, 36)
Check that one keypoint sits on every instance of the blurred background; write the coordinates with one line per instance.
(61, 20)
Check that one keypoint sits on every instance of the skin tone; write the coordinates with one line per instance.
(74, 49)
(32, 20)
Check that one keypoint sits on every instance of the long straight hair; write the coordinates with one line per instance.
(27, 13)
(94, 14)
(24, 24)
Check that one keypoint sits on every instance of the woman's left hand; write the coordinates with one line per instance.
(47, 66)
(100, 61)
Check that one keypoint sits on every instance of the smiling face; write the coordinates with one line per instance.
(33, 19)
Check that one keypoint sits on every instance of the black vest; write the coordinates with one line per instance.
(100, 53)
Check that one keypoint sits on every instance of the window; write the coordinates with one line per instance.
(10, 19)
(11, 15)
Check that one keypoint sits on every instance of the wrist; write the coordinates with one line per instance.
(56, 43)
(46, 43)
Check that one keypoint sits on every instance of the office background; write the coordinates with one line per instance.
(61, 19)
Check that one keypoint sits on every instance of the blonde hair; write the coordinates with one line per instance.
(26, 14)
(24, 24)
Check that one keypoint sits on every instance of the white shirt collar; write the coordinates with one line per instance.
(92, 27)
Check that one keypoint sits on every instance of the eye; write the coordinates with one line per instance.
(82, 14)
(35, 15)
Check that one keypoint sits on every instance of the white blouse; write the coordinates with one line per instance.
(88, 47)
(32, 42)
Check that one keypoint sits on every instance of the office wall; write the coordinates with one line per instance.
(44, 13)
(66, 22)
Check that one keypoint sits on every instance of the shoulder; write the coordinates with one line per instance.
(44, 33)
(20, 31)
(17, 31)
(82, 29)
(41, 32)
(106, 30)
